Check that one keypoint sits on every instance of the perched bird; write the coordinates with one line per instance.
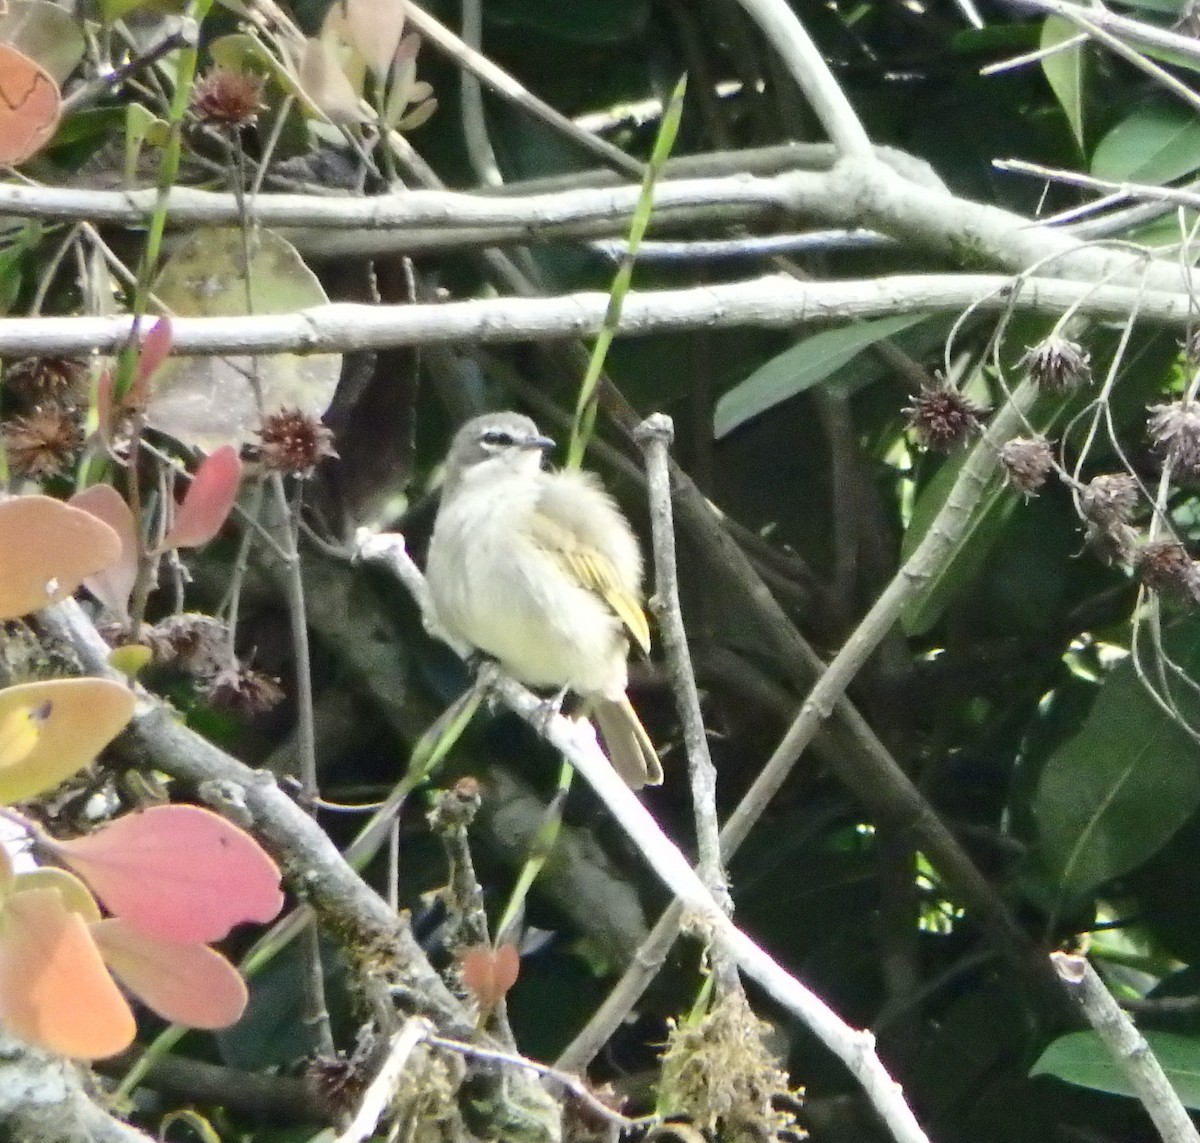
(539, 570)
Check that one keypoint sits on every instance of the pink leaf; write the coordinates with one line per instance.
(208, 502)
(187, 984)
(113, 585)
(155, 349)
(179, 873)
(490, 972)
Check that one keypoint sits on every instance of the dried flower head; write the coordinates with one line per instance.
(942, 417)
(720, 1073)
(192, 642)
(243, 690)
(1027, 462)
(44, 443)
(1107, 503)
(294, 441)
(1164, 566)
(1058, 365)
(1175, 432)
(1113, 544)
(1110, 498)
(45, 380)
(227, 97)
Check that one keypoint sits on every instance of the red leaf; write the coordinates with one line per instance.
(47, 549)
(179, 873)
(490, 973)
(187, 984)
(113, 585)
(155, 349)
(208, 502)
(30, 106)
(54, 989)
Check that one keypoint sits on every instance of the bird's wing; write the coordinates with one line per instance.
(592, 570)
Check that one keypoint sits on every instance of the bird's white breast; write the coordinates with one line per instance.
(497, 590)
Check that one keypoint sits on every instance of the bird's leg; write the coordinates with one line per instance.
(486, 671)
(547, 709)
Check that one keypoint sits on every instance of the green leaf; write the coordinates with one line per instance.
(1156, 143)
(46, 33)
(963, 564)
(1166, 7)
(1081, 1059)
(1116, 792)
(597, 21)
(1064, 71)
(207, 402)
(805, 364)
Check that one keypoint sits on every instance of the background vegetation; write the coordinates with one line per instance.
(1014, 767)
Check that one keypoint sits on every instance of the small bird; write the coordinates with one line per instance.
(539, 570)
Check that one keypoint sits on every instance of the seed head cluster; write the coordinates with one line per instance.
(1027, 462)
(1175, 435)
(294, 442)
(1058, 365)
(943, 418)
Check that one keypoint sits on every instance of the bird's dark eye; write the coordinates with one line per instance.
(500, 438)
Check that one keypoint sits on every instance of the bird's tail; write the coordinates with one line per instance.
(625, 739)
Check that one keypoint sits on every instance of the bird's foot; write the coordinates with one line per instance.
(546, 710)
(487, 674)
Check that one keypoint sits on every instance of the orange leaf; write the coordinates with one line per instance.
(208, 502)
(47, 549)
(30, 106)
(20, 730)
(187, 984)
(179, 873)
(490, 973)
(54, 989)
(82, 716)
(112, 585)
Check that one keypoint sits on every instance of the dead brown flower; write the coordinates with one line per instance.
(229, 98)
(44, 443)
(1175, 433)
(294, 441)
(1027, 461)
(1058, 365)
(943, 418)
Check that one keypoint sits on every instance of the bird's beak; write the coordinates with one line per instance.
(545, 444)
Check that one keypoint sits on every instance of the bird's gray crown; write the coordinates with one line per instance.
(492, 435)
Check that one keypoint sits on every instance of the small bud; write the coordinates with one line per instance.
(1175, 432)
(943, 418)
(229, 98)
(44, 443)
(1058, 365)
(294, 442)
(1110, 499)
(1027, 462)
(1164, 566)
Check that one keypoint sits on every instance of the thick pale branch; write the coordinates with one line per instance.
(855, 193)
(771, 302)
